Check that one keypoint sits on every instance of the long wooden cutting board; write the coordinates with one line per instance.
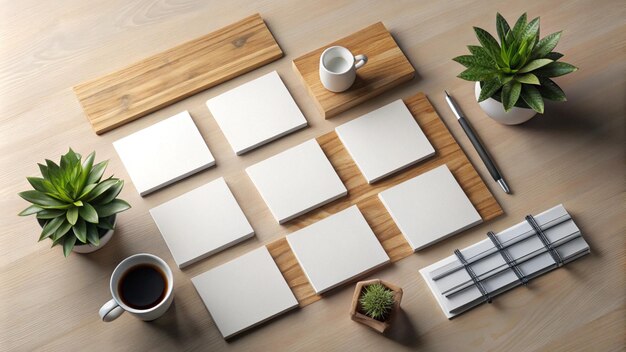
(165, 78)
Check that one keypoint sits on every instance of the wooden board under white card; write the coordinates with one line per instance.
(164, 153)
(256, 113)
(430, 207)
(365, 195)
(337, 249)
(296, 181)
(385, 141)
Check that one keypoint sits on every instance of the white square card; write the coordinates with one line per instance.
(385, 141)
(164, 153)
(337, 249)
(244, 292)
(201, 222)
(256, 113)
(429, 207)
(296, 181)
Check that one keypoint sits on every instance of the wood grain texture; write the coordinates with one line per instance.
(386, 68)
(573, 154)
(165, 78)
(365, 195)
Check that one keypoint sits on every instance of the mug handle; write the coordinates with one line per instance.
(360, 61)
(110, 311)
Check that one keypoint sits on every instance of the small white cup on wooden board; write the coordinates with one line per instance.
(338, 68)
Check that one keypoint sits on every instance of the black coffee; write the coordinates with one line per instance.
(142, 286)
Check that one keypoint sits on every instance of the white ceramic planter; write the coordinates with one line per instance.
(495, 110)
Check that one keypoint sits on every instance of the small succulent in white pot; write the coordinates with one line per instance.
(74, 205)
(514, 76)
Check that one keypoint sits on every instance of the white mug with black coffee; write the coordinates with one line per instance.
(142, 285)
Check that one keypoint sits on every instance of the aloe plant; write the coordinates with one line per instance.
(377, 301)
(73, 201)
(518, 70)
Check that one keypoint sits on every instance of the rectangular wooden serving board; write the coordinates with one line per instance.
(165, 78)
(365, 195)
(386, 68)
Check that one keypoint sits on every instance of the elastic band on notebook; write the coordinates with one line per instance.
(470, 271)
(507, 257)
(542, 236)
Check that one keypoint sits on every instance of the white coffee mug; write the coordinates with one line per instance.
(116, 306)
(338, 68)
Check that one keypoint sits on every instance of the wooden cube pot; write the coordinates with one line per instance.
(356, 311)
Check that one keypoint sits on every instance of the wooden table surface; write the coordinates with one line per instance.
(574, 155)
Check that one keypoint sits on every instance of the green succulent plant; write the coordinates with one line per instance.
(377, 301)
(72, 201)
(517, 70)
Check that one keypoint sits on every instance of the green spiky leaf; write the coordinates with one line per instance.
(32, 209)
(481, 55)
(50, 227)
(555, 69)
(85, 170)
(97, 171)
(550, 90)
(110, 194)
(87, 190)
(527, 78)
(88, 213)
(114, 207)
(62, 230)
(42, 199)
(535, 64)
(510, 94)
(80, 230)
(531, 30)
(554, 56)
(532, 97)
(489, 43)
(101, 188)
(50, 213)
(68, 245)
(488, 88)
(546, 45)
(38, 184)
(502, 27)
(72, 215)
(105, 223)
(519, 26)
(470, 61)
(93, 236)
(477, 74)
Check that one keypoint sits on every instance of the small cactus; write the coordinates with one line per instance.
(377, 301)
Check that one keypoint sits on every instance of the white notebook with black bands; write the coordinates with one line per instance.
(456, 287)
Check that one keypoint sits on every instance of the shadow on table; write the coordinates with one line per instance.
(171, 324)
(568, 119)
(403, 331)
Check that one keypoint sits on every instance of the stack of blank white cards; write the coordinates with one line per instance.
(505, 260)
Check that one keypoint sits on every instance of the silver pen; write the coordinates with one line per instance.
(482, 152)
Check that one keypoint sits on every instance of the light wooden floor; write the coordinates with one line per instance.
(574, 155)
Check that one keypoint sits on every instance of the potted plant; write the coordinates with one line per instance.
(73, 204)
(513, 77)
(375, 303)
